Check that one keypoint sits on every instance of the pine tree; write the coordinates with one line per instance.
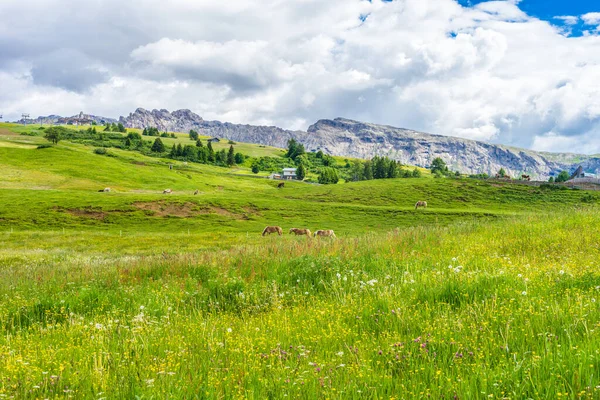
(231, 156)
(158, 146)
(301, 172)
(368, 171)
(199, 143)
(211, 152)
(179, 150)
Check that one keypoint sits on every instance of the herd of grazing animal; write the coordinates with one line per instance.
(299, 232)
(296, 231)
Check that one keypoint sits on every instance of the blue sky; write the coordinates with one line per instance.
(548, 9)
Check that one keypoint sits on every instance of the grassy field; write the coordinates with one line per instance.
(489, 293)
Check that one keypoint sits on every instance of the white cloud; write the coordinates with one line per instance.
(592, 18)
(568, 19)
(488, 72)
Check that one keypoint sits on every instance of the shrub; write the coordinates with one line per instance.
(44, 146)
(56, 134)
(588, 198)
(100, 151)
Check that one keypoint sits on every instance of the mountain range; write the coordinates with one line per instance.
(348, 138)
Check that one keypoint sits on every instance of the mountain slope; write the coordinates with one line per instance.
(344, 137)
(348, 138)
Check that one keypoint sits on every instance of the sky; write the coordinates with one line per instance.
(523, 73)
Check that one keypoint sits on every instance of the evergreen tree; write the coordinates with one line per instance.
(211, 152)
(179, 150)
(255, 169)
(128, 142)
(301, 172)
(551, 180)
(173, 153)
(295, 149)
(502, 173)
(199, 143)
(107, 127)
(202, 155)
(221, 157)
(193, 135)
(158, 146)
(231, 156)
(121, 128)
(189, 152)
(239, 158)
(379, 170)
(368, 171)
(392, 171)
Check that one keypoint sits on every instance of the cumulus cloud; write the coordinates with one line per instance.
(486, 72)
(568, 19)
(592, 18)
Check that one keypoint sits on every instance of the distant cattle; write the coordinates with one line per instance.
(272, 229)
(196, 192)
(301, 232)
(281, 185)
(526, 177)
(325, 233)
(105, 190)
(167, 191)
(420, 204)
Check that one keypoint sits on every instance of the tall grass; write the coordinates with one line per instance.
(500, 310)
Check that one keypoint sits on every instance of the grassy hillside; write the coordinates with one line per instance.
(489, 293)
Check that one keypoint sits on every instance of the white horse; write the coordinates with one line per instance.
(420, 204)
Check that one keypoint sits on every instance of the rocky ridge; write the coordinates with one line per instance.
(348, 138)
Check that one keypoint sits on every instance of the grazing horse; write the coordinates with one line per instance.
(167, 191)
(281, 185)
(421, 204)
(324, 233)
(301, 232)
(196, 192)
(272, 229)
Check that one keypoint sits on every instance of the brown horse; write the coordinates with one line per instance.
(272, 229)
(421, 204)
(281, 185)
(301, 232)
(325, 233)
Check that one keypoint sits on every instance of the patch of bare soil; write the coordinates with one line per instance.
(6, 132)
(188, 209)
(91, 213)
(164, 209)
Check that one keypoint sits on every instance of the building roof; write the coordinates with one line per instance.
(289, 170)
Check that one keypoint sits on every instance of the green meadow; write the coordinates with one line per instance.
(490, 292)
